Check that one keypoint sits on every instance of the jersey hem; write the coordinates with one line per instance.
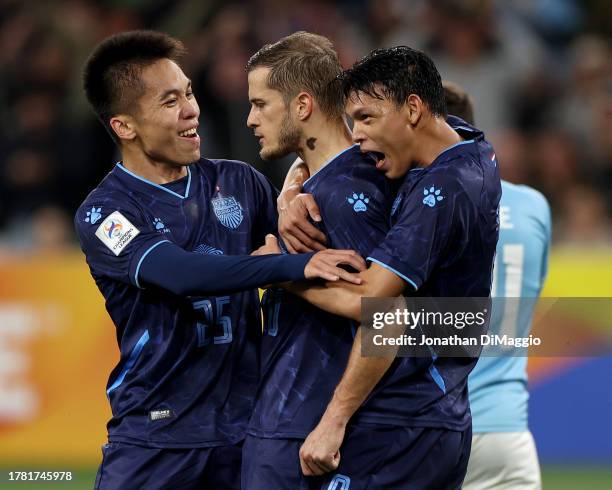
(176, 445)
(409, 422)
(266, 434)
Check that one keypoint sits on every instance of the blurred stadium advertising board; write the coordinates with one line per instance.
(57, 348)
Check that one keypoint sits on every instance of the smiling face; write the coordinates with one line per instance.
(381, 127)
(270, 118)
(165, 120)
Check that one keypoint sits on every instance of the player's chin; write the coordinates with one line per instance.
(195, 155)
(395, 172)
(267, 153)
(187, 158)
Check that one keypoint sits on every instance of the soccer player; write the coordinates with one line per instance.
(167, 235)
(410, 423)
(503, 451)
(297, 106)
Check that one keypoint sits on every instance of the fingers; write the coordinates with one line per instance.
(299, 234)
(307, 470)
(349, 277)
(311, 207)
(272, 242)
(351, 258)
(305, 243)
(325, 265)
(313, 234)
(316, 465)
(290, 242)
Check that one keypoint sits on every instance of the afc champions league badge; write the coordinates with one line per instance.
(228, 211)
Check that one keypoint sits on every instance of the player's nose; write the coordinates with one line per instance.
(251, 122)
(191, 109)
(358, 135)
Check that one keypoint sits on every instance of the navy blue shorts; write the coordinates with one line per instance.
(381, 457)
(125, 467)
(372, 457)
(274, 464)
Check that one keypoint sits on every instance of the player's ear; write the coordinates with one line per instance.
(304, 105)
(414, 108)
(123, 126)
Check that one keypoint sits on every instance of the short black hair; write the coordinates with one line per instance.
(112, 73)
(303, 61)
(396, 73)
(458, 101)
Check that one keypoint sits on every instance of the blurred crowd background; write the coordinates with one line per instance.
(539, 71)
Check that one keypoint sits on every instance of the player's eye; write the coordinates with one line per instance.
(189, 94)
(170, 102)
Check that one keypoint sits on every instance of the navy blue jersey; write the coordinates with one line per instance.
(442, 242)
(305, 350)
(189, 365)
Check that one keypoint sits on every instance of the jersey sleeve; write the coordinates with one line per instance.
(115, 239)
(355, 209)
(434, 215)
(266, 217)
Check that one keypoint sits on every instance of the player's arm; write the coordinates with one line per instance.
(294, 207)
(320, 452)
(344, 299)
(188, 273)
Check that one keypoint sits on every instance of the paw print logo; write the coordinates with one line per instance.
(432, 196)
(160, 226)
(94, 215)
(359, 202)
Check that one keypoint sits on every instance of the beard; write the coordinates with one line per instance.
(288, 141)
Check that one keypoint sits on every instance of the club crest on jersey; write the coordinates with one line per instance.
(207, 249)
(228, 211)
(116, 232)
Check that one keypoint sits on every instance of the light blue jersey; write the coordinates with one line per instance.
(498, 385)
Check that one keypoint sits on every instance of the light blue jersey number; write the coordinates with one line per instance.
(214, 322)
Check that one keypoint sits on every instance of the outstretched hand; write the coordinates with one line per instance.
(325, 265)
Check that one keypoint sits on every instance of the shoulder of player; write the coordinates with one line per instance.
(223, 165)
(356, 169)
(524, 191)
(528, 198)
(102, 202)
(219, 163)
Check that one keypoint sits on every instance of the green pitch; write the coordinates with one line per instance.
(553, 478)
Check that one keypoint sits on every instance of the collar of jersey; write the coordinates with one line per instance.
(460, 143)
(158, 186)
(329, 161)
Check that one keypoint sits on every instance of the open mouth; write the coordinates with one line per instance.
(189, 133)
(379, 157)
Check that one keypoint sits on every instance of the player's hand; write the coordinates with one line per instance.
(324, 264)
(297, 232)
(270, 247)
(320, 452)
